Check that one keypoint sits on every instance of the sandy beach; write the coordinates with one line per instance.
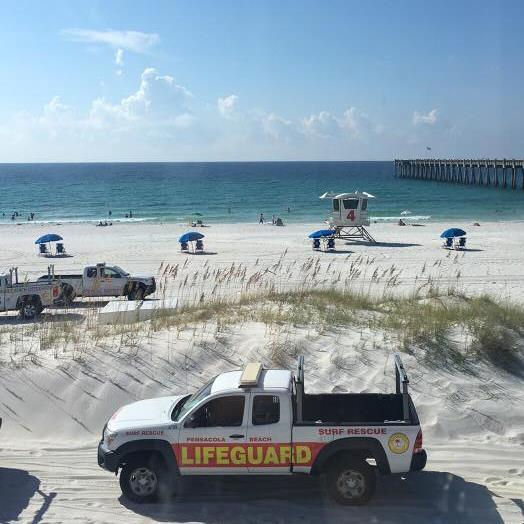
(56, 396)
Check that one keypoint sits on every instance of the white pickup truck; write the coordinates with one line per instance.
(261, 422)
(30, 298)
(104, 281)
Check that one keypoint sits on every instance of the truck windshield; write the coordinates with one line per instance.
(121, 271)
(185, 405)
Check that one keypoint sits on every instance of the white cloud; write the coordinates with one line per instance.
(429, 118)
(322, 125)
(119, 57)
(278, 128)
(135, 41)
(157, 97)
(227, 105)
(161, 120)
(350, 124)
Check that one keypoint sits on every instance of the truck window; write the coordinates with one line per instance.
(91, 272)
(350, 203)
(220, 412)
(266, 410)
(109, 273)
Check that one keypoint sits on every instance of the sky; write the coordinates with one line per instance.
(89, 81)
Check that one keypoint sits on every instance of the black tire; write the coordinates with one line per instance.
(68, 294)
(351, 482)
(30, 309)
(145, 480)
(137, 293)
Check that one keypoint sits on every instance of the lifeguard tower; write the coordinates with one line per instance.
(349, 215)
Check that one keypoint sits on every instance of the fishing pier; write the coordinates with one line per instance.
(496, 173)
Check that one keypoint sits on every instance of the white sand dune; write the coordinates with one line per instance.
(54, 404)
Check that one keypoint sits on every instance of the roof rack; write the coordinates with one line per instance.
(251, 375)
(401, 385)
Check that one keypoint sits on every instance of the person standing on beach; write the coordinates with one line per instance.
(261, 219)
(130, 214)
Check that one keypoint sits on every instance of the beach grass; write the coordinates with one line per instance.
(444, 327)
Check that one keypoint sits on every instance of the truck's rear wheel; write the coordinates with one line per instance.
(68, 294)
(351, 482)
(145, 480)
(30, 309)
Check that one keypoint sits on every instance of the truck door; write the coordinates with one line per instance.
(212, 438)
(269, 433)
(113, 282)
(90, 282)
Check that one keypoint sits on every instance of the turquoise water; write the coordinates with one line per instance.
(235, 192)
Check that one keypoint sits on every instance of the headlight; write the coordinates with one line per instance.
(109, 437)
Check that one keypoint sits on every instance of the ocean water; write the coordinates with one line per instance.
(235, 192)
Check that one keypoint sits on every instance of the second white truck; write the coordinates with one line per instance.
(261, 422)
(102, 280)
(29, 298)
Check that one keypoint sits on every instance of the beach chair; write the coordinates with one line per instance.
(199, 246)
(184, 246)
(43, 249)
(461, 243)
(316, 243)
(448, 244)
(60, 249)
(331, 244)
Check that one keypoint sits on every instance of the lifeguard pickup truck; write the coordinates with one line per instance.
(30, 298)
(102, 280)
(261, 422)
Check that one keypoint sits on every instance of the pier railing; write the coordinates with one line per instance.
(497, 173)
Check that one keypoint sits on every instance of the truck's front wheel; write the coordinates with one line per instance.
(145, 480)
(137, 293)
(351, 482)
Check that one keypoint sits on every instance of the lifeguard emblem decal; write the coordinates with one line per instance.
(398, 443)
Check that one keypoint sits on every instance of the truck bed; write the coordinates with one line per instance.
(353, 408)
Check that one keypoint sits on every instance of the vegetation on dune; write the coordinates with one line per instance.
(445, 327)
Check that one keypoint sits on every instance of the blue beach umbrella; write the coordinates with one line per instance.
(453, 232)
(50, 237)
(190, 236)
(322, 233)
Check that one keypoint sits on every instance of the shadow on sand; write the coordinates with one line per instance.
(14, 320)
(380, 244)
(18, 487)
(425, 497)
